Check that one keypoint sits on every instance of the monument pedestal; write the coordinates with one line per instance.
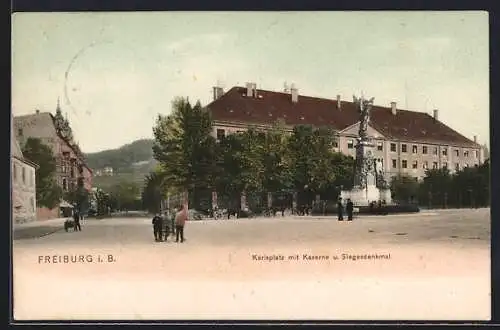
(364, 196)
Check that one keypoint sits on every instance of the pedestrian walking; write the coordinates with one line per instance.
(76, 219)
(349, 209)
(157, 227)
(180, 221)
(340, 210)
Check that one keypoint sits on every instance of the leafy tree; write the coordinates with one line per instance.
(103, 202)
(310, 158)
(299, 156)
(276, 174)
(322, 173)
(235, 175)
(435, 188)
(152, 193)
(404, 188)
(79, 197)
(184, 147)
(342, 167)
(471, 187)
(48, 193)
(125, 194)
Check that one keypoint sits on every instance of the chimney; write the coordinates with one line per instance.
(37, 111)
(475, 138)
(394, 110)
(218, 92)
(249, 89)
(295, 94)
(339, 104)
(436, 112)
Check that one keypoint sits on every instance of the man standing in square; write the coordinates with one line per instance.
(180, 221)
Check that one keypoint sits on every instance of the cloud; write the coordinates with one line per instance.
(198, 42)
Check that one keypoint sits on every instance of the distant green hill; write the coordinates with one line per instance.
(131, 162)
(123, 157)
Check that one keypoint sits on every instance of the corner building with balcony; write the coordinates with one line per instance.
(406, 142)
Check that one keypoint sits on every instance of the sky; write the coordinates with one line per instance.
(115, 72)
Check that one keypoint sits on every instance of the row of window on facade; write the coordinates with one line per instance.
(221, 133)
(425, 164)
(27, 175)
(71, 170)
(71, 185)
(425, 149)
(69, 165)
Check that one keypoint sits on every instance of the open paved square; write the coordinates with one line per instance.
(431, 265)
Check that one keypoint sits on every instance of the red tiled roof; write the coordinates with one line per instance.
(269, 106)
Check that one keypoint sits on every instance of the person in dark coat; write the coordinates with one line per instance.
(76, 219)
(349, 209)
(157, 227)
(340, 210)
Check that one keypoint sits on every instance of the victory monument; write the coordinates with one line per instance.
(369, 183)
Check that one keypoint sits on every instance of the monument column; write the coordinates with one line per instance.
(365, 186)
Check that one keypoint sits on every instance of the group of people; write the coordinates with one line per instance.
(161, 226)
(349, 208)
